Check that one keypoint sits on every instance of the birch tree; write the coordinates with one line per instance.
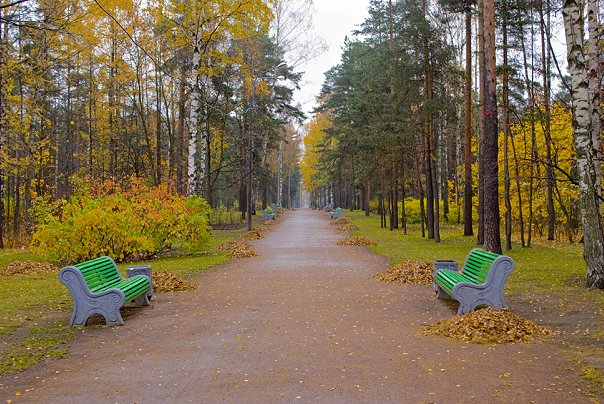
(593, 234)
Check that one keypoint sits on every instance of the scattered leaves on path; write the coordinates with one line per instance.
(411, 272)
(167, 282)
(347, 228)
(238, 250)
(356, 241)
(340, 221)
(488, 326)
(29, 268)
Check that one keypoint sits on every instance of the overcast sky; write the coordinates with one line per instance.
(333, 20)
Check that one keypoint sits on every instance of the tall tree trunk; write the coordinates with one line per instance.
(595, 77)
(428, 130)
(467, 194)
(158, 120)
(194, 174)
(181, 182)
(489, 154)
(481, 120)
(593, 235)
(2, 123)
(533, 159)
(519, 192)
(546, 122)
(506, 131)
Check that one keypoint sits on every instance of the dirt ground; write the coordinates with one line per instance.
(304, 321)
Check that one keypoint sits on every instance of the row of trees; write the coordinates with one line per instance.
(195, 94)
(453, 103)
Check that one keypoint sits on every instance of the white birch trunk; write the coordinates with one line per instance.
(594, 83)
(593, 235)
(193, 174)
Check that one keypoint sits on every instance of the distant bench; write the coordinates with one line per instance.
(268, 215)
(97, 287)
(329, 207)
(336, 213)
(480, 281)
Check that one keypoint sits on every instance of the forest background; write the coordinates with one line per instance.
(438, 111)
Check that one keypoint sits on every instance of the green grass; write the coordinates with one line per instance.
(556, 268)
(30, 299)
(547, 269)
(43, 342)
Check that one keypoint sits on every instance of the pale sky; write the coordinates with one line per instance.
(333, 20)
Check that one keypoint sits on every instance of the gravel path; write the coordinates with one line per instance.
(303, 322)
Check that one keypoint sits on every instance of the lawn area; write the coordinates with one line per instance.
(548, 283)
(547, 266)
(35, 309)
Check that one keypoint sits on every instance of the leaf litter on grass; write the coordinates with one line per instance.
(347, 228)
(238, 249)
(340, 221)
(167, 282)
(253, 234)
(410, 272)
(488, 326)
(29, 268)
(356, 241)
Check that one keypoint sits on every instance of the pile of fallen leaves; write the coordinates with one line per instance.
(340, 221)
(253, 234)
(238, 250)
(356, 241)
(29, 268)
(268, 223)
(413, 272)
(167, 282)
(347, 227)
(488, 326)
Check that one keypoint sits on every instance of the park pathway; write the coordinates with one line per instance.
(303, 322)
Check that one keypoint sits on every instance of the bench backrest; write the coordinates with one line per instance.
(478, 264)
(98, 272)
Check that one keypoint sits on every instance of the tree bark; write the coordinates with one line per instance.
(546, 122)
(594, 77)
(481, 121)
(489, 154)
(593, 235)
(506, 131)
(193, 171)
(467, 194)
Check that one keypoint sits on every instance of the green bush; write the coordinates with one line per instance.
(136, 224)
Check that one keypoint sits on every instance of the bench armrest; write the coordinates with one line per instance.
(73, 279)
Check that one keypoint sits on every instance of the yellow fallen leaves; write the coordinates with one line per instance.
(347, 227)
(253, 234)
(488, 326)
(356, 241)
(29, 268)
(167, 282)
(238, 250)
(410, 272)
(340, 221)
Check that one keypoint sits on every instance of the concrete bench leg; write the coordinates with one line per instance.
(107, 306)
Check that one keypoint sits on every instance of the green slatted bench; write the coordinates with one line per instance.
(480, 281)
(336, 213)
(97, 287)
(268, 214)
